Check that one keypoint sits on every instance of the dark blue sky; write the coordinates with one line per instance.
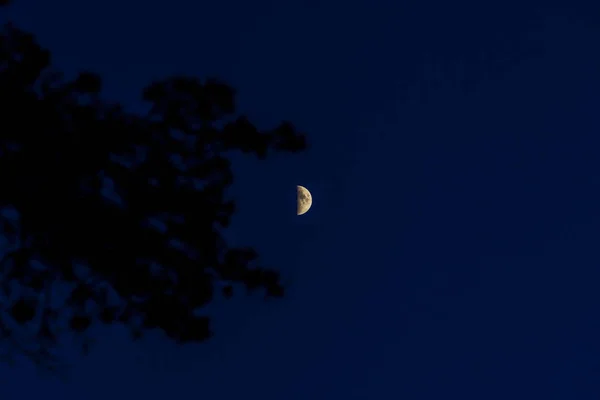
(451, 251)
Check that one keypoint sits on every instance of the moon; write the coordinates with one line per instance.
(304, 200)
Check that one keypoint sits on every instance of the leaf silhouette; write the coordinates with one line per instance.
(23, 311)
(112, 202)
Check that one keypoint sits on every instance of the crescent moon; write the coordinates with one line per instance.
(304, 200)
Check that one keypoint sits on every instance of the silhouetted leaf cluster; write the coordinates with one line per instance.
(127, 209)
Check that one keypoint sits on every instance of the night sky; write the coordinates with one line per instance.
(452, 248)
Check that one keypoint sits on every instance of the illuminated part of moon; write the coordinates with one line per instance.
(304, 200)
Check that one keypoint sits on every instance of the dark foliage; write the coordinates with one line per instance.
(126, 209)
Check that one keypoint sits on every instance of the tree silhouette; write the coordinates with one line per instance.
(126, 211)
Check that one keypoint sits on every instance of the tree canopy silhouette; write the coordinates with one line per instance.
(125, 210)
